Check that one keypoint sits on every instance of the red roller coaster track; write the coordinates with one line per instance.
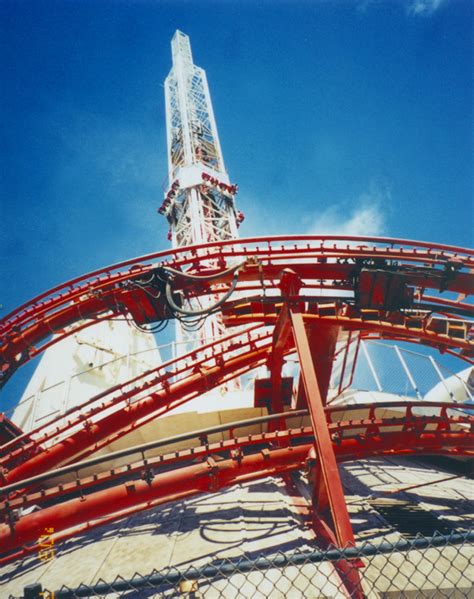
(331, 264)
(296, 295)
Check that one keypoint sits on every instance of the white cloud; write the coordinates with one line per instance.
(421, 8)
(424, 8)
(368, 217)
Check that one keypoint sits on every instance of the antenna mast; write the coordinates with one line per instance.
(199, 201)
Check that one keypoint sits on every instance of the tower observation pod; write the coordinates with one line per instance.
(199, 203)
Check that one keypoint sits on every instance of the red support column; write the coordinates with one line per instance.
(328, 494)
(281, 335)
(324, 450)
(322, 343)
(301, 402)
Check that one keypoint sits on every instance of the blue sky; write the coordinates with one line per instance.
(333, 116)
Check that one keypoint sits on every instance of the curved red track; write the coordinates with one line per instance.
(322, 263)
(446, 432)
(328, 272)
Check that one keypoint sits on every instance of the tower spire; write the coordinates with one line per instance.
(199, 203)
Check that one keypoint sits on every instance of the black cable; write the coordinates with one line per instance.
(193, 328)
(147, 291)
(141, 282)
(156, 328)
(204, 277)
(206, 311)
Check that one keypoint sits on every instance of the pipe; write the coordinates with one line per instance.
(185, 482)
(121, 453)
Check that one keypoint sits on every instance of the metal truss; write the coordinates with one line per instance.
(199, 202)
(191, 127)
(308, 297)
(328, 266)
(213, 466)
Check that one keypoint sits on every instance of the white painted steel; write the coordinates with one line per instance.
(82, 365)
(198, 211)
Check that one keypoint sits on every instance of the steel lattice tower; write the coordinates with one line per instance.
(199, 203)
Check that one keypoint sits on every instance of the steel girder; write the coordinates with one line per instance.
(304, 324)
(133, 486)
(88, 431)
(330, 514)
(321, 262)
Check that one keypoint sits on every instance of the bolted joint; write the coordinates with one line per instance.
(11, 517)
(148, 476)
(3, 474)
(88, 426)
(130, 487)
(213, 471)
(311, 464)
(211, 464)
(237, 455)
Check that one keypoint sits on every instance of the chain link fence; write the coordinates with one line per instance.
(434, 567)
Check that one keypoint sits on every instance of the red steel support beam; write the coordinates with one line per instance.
(322, 343)
(328, 494)
(323, 444)
(167, 486)
(281, 334)
(344, 362)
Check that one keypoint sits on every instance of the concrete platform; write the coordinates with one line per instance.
(261, 518)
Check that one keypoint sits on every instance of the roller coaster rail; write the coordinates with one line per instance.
(324, 263)
(294, 296)
(447, 432)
